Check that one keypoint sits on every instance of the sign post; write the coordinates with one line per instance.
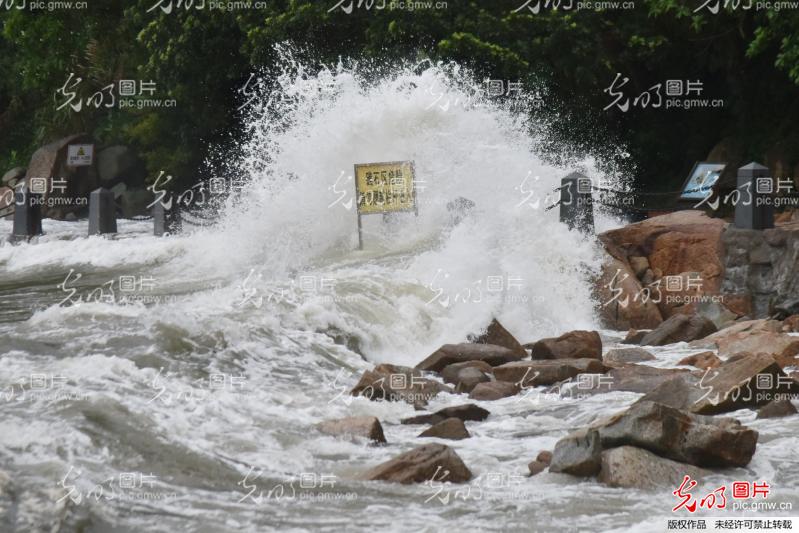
(80, 155)
(384, 188)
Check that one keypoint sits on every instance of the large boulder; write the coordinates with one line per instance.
(397, 383)
(578, 454)
(621, 356)
(631, 467)
(469, 378)
(680, 435)
(464, 412)
(451, 428)
(673, 244)
(497, 335)
(571, 345)
(618, 291)
(451, 373)
(630, 378)
(459, 353)
(754, 336)
(429, 462)
(679, 328)
(367, 427)
(493, 390)
(776, 409)
(748, 381)
(703, 360)
(547, 372)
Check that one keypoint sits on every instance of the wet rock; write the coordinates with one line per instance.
(469, 378)
(679, 328)
(703, 360)
(13, 176)
(620, 356)
(459, 353)
(639, 265)
(428, 462)
(578, 454)
(754, 336)
(631, 467)
(634, 336)
(494, 390)
(615, 289)
(748, 381)
(541, 463)
(354, 426)
(572, 345)
(630, 378)
(451, 428)
(450, 373)
(776, 409)
(791, 324)
(464, 412)
(397, 383)
(547, 372)
(679, 435)
(716, 313)
(497, 335)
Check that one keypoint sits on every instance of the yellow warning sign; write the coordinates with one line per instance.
(385, 187)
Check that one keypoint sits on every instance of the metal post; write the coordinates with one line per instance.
(165, 221)
(576, 202)
(754, 208)
(360, 233)
(27, 213)
(102, 212)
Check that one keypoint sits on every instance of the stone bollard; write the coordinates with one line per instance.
(102, 212)
(165, 221)
(576, 202)
(754, 208)
(27, 214)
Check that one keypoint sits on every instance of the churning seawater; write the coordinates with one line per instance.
(173, 384)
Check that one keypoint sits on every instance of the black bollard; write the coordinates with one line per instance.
(165, 221)
(27, 213)
(102, 212)
(576, 202)
(754, 208)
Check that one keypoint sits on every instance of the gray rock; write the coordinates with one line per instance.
(679, 328)
(776, 409)
(429, 462)
(631, 467)
(459, 353)
(451, 428)
(469, 378)
(13, 176)
(354, 426)
(717, 313)
(494, 390)
(497, 335)
(450, 373)
(578, 454)
(621, 356)
(119, 164)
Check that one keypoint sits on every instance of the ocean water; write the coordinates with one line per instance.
(173, 384)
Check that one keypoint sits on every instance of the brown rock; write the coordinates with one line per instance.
(493, 390)
(578, 454)
(703, 360)
(634, 336)
(572, 345)
(358, 426)
(776, 409)
(450, 373)
(631, 467)
(535, 373)
(679, 328)
(459, 353)
(748, 381)
(397, 383)
(536, 467)
(616, 290)
(469, 378)
(497, 335)
(429, 462)
(791, 324)
(679, 435)
(451, 428)
(639, 265)
(464, 412)
(630, 378)
(620, 356)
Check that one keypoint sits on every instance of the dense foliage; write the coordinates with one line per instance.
(202, 57)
